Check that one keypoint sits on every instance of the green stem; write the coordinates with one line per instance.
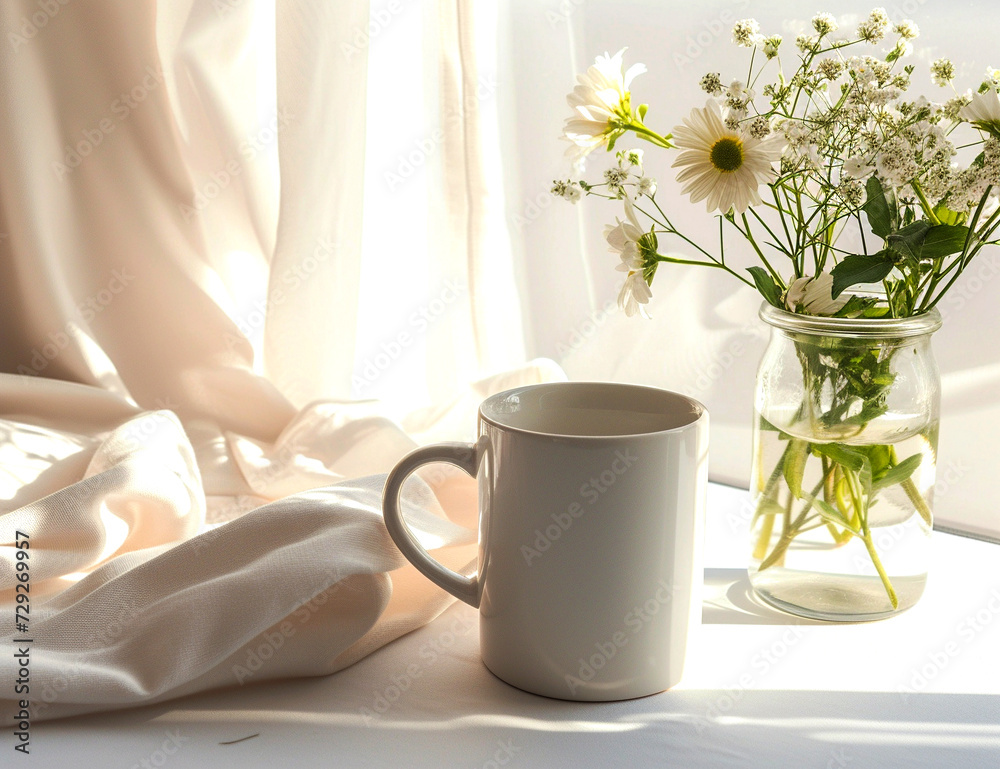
(770, 232)
(764, 537)
(749, 236)
(651, 136)
(925, 203)
(866, 537)
(717, 265)
(792, 530)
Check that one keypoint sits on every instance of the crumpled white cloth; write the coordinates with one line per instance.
(142, 588)
(199, 516)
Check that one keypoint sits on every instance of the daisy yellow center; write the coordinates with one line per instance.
(727, 154)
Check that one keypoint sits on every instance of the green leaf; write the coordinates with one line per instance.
(881, 210)
(795, 465)
(611, 141)
(899, 473)
(833, 515)
(910, 239)
(944, 240)
(879, 458)
(766, 285)
(946, 216)
(860, 269)
(857, 306)
(852, 459)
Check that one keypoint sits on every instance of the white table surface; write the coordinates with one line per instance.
(760, 689)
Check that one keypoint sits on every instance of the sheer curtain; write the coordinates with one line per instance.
(196, 280)
(704, 338)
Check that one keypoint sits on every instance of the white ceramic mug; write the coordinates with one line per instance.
(591, 500)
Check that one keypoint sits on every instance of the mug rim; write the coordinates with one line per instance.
(697, 414)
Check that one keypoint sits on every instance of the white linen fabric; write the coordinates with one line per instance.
(200, 496)
(131, 604)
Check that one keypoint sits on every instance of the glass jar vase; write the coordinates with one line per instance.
(845, 449)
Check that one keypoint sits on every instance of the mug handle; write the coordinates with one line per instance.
(464, 455)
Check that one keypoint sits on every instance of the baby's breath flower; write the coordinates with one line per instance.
(568, 189)
(942, 71)
(882, 71)
(616, 177)
(629, 160)
(993, 77)
(830, 68)
(991, 155)
(795, 133)
(760, 128)
(954, 105)
(872, 29)
(896, 164)
(711, 83)
(857, 168)
(907, 29)
(634, 157)
(810, 156)
(879, 16)
(852, 192)
(737, 97)
(746, 33)
(824, 24)
(646, 186)
(771, 46)
(739, 90)
(806, 43)
(968, 189)
(902, 49)
(882, 96)
(902, 82)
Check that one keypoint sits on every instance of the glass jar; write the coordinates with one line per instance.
(845, 449)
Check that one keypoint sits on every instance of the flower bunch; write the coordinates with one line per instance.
(831, 171)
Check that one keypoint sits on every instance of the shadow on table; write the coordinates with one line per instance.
(463, 716)
(729, 600)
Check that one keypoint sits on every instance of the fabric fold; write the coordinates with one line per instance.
(135, 598)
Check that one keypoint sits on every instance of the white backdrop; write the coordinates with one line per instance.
(704, 338)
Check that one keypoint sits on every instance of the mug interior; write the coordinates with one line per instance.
(590, 409)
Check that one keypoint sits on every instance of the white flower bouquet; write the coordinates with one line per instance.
(837, 179)
(834, 147)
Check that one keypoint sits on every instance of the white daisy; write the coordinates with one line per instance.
(722, 165)
(984, 111)
(814, 296)
(634, 295)
(623, 239)
(599, 102)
